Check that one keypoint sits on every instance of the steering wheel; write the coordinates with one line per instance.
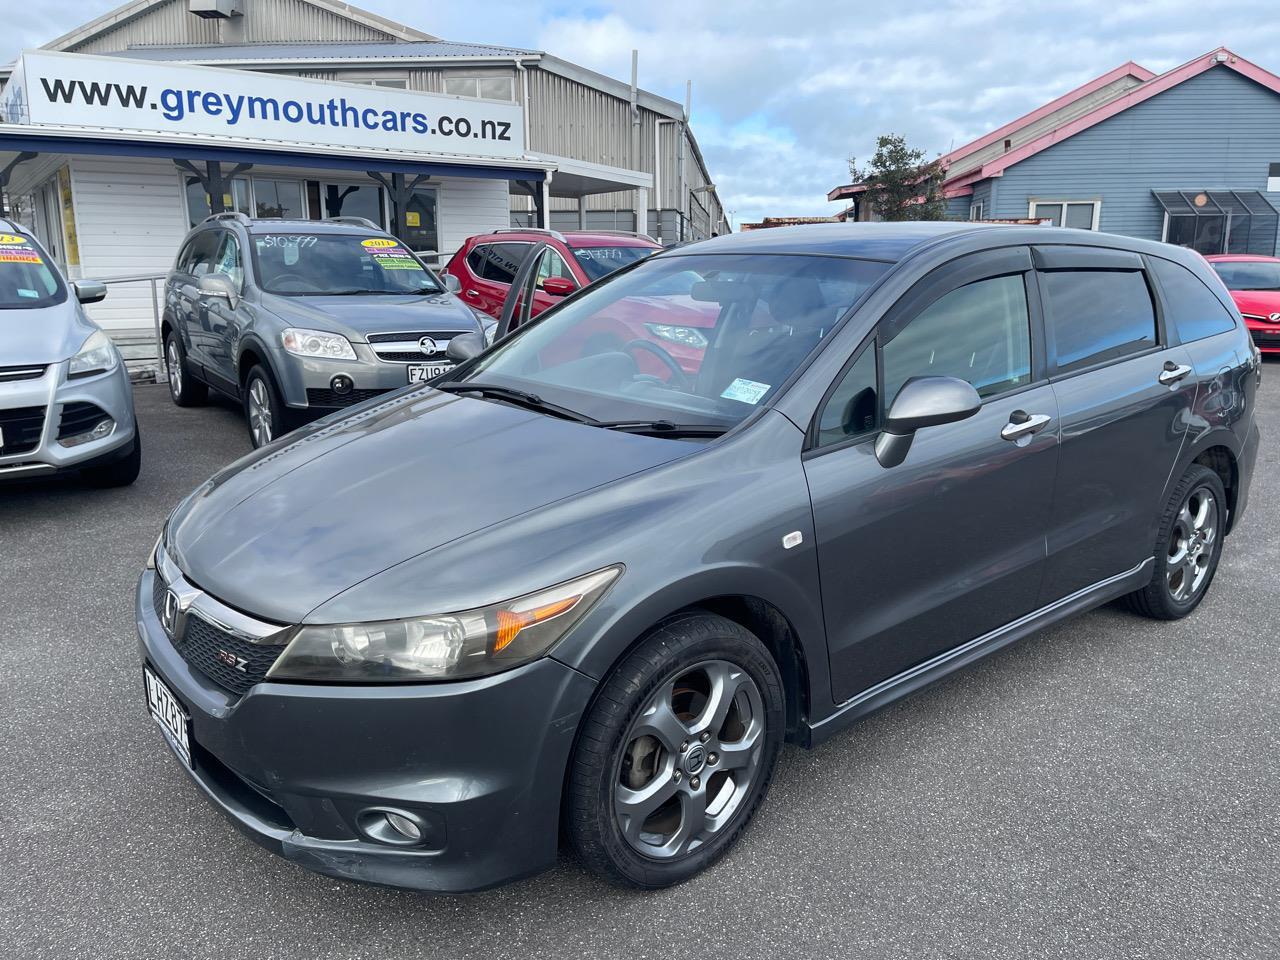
(678, 377)
(299, 282)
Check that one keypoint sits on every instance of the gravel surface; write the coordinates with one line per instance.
(1107, 788)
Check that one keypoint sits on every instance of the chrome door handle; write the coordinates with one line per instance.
(1172, 373)
(1022, 424)
(473, 294)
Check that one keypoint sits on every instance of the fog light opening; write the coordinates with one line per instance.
(342, 384)
(102, 429)
(398, 828)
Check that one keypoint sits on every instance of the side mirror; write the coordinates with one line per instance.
(558, 286)
(464, 346)
(923, 402)
(218, 285)
(451, 283)
(90, 291)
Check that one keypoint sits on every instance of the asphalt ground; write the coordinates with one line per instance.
(1106, 788)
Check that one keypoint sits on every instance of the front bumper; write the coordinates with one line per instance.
(481, 763)
(307, 383)
(52, 394)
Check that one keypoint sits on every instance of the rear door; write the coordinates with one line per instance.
(491, 268)
(950, 544)
(190, 307)
(1125, 397)
(224, 322)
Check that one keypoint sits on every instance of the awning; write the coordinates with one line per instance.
(17, 138)
(581, 178)
(1215, 203)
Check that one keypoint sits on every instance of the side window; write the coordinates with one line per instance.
(1190, 306)
(980, 332)
(228, 261)
(498, 261)
(851, 410)
(475, 261)
(1097, 315)
(553, 265)
(184, 255)
(204, 248)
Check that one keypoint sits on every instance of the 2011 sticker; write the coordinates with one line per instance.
(12, 239)
(374, 242)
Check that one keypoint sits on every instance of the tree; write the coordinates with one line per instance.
(900, 184)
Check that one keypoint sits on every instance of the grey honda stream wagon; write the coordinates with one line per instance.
(298, 318)
(575, 588)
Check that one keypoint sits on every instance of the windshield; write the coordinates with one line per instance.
(1249, 275)
(314, 265)
(696, 339)
(597, 262)
(26, 281)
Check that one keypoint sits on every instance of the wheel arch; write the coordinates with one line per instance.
(1219, 450)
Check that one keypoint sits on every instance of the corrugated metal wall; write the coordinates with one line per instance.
(1215, 130)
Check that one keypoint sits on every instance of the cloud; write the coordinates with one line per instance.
(785, 91)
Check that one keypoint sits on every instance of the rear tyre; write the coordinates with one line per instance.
(1188, 547)
(267, 416)
(676, 753)
(118, 473)
(184, 389)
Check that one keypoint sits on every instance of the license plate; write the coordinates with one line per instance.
(169, 714)
(425, 371)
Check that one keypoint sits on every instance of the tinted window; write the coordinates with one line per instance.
(228, 261)
(497, 261)
(204, 250)
(1097, 315)
(979, 332)
(1190, 306)
(1249, 274)
(851, 410)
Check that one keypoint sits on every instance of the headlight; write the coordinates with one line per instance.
(98, 355)
(317, 343)
(154, 556)
(686, 336)
(447, 647)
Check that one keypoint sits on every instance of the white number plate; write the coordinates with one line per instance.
(425, 371)
(169, 714)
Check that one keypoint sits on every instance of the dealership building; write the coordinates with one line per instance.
(120, 135)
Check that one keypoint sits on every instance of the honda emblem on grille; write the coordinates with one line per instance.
(169, 615)
(232, 661)
(428, 346)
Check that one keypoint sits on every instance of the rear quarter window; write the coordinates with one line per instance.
(1190, 306)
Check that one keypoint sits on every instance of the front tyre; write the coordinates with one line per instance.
(118, 473)
(676, 753)
(265, 411)
(1188, 547)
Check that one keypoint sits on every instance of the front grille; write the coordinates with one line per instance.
(327, 398)
(414, 356)
(20, 429)
(78, 418)
(440, 335)
(208, 648)
(404, 346)
(1266, 337)
(25, 371)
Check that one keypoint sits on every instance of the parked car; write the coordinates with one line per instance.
(1254, 282)
(298, 318)
(552, 592)
(485, 265)
(65, 399)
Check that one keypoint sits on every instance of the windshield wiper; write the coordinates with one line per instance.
(664, 428)
(520, 398)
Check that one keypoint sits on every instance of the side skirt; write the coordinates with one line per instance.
(923, 674)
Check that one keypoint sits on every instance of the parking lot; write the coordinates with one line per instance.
(1108, 788)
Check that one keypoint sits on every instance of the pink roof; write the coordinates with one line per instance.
(1137, 95)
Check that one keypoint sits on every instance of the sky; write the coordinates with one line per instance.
(784, 92)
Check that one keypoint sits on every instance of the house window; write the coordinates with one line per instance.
(396, 83)
(1081, 214)
(482, 88)
(977, 211)
(1219, 221)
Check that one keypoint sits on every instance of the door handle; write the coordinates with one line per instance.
(1022, 424)
(1173, 372)
(472, 294)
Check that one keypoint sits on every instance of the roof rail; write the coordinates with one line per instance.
(554, 234)
(227, 215)
(618, 233)
(356, 221)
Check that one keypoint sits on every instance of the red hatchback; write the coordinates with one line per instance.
(1254, 283)
(486, 265)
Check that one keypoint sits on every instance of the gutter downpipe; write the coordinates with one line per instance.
(524, 114)
(684, 145)
(657, 172)
(642, 208)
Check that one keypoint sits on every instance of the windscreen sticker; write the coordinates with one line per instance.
(23, 254)
(746, 391)
(374, 243)
(24, 292)
(394, 258)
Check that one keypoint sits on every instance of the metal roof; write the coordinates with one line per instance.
(325, 52)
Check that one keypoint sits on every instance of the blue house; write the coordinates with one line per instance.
(1190, 156)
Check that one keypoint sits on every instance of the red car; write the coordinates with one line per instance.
(486, 265)
(1254, 283)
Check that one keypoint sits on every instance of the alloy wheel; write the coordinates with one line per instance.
(173, 368)
(1192, 543)
(259, 412)
(690, 759)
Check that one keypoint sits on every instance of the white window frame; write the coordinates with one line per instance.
(977, 210)
(390, 80)
(476, 78)
(1049, 201)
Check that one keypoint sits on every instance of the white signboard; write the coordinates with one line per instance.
(79, 90)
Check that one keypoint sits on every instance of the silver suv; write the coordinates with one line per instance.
(65, 399)
(297, 318)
